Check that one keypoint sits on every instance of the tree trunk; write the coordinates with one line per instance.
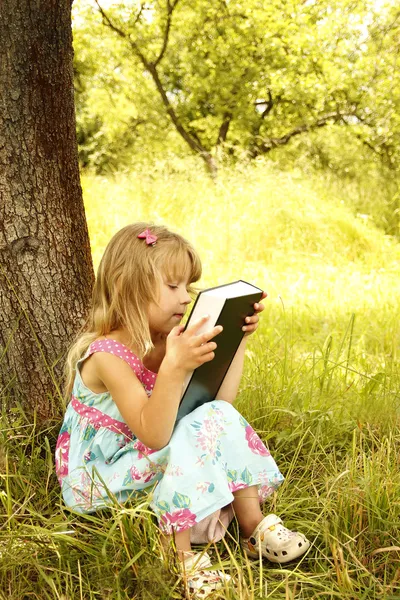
(46, 272)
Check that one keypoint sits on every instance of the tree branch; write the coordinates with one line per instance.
(151, 67)
(269, 105)
(106, 19)
(170, 10)
(138, 16)
(271, 143)
(223, 130)
(382, 150)
(228, 114)
(194, 145)
(124, 34)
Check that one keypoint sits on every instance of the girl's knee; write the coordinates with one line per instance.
(225, 407)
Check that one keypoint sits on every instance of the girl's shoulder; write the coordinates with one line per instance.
(145, 375)
(87, 373)
(116, 348)
(122, 351)
(86, 367)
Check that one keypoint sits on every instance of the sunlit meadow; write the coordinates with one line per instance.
(321, 386)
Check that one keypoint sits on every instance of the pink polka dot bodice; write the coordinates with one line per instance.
(145, 376)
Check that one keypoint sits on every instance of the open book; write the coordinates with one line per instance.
(228, 305)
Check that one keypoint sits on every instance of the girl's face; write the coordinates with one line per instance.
(172, 304)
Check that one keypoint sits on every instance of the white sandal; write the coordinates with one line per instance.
(200, 582)
(275, 542)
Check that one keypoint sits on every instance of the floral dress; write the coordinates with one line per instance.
(213, 452)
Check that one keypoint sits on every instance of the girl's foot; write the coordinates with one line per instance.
(274, 541)
(199, 581)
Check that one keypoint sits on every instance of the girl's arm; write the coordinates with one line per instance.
(230, 385)
(152, 420)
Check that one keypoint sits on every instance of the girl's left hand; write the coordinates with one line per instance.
(252, 322)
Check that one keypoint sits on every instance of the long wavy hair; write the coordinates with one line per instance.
(127, 281)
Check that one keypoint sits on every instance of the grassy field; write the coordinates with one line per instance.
(321, 386)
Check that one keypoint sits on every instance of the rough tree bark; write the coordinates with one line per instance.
(46, 271)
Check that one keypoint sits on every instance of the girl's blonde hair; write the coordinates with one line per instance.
(128, 279)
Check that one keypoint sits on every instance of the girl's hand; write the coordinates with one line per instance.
(186, 350)
(252, 322)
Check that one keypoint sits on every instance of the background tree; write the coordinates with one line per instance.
(46, 272)
(249, 77)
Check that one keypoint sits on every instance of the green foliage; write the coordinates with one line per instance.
(341, 166)
(116, 114)
(248, 77)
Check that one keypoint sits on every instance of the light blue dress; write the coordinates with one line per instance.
(213, 452)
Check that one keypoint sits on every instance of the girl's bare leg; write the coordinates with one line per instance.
(248, 513)
(182, 542)
(247, 509)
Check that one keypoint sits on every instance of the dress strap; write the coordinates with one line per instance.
(120, 350)
(99, 419)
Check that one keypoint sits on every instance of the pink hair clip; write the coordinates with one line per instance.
(149, 237)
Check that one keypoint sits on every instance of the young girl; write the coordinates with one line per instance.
(125, 375)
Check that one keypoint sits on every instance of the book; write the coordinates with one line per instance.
(228, 305)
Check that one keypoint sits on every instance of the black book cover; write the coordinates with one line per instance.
(207, 379)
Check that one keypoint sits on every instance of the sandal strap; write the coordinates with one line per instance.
(269, 523)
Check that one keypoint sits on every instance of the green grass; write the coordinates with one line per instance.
(321, 386)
